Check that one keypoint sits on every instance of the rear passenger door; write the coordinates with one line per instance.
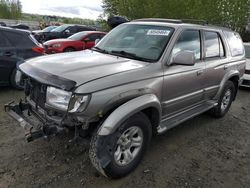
(215, 60)
(8, 59)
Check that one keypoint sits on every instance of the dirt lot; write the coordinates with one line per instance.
(203, 152)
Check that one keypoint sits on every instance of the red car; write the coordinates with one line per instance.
(79, 41)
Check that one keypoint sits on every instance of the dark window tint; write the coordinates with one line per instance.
(213, 45)
(235, 43)
(247, 49)
(18, 39)
(189, 41)
(72, 29)
(4, 41)
(81, 28)
(93, 37)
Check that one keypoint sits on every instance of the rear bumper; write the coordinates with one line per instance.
(35, 129)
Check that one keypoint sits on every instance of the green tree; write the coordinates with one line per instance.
(10, 9)
(230, 13)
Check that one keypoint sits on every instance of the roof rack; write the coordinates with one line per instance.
(158, 20)
(178, 21)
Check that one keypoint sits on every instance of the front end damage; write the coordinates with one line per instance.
(38, 118)
(35, 128)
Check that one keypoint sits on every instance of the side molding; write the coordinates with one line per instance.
(123, 112)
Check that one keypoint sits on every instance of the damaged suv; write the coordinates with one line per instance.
(141, 79)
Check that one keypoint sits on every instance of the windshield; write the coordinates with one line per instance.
(60, 28)
(78, 36)
(48, 29)
(135, 41)
(247, 49)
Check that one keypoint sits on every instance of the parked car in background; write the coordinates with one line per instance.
(20, 26)
(65, 31)
(79, 41)
(40, 34)
(15, 46)
(246, 77)
(3, 24)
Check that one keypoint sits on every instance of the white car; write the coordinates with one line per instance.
(246, 77)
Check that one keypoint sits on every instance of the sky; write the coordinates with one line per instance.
(90, 9)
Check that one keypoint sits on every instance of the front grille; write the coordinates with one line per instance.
(246, 82)
(37, 93)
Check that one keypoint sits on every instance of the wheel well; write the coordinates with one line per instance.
(153, 115)
(235, 80)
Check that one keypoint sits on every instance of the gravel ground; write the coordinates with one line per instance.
(202, 152)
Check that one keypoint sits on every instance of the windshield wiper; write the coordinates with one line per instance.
(130, 55)
(100, 50)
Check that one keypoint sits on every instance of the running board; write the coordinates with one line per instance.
(177, 119)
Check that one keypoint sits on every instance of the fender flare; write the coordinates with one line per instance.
(123, 112)
(225, 79)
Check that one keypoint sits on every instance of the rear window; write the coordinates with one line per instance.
(18, 39)
(247, 50)
(235, 43)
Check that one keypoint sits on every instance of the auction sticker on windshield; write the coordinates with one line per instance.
(158, 32)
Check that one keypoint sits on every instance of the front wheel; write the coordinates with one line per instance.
(225, 100)
(118, 154)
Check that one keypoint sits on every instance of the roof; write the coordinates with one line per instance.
(181, 22)
(15, 30)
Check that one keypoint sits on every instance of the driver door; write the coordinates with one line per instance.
(184, 85)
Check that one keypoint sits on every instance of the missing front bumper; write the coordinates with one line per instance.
(23, 113)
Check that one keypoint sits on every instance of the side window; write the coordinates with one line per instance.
(4, 41)
(235, 43)
(72, 29)
(213, 45)
(93, 37)
(190, 41)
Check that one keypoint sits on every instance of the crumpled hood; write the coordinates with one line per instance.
(81, 67)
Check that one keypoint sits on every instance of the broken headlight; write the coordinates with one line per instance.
(58, 98)
(64, 100)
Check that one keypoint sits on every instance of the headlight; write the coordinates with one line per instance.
(56, 45)
(64, 100)
(79, 103)
(58, 98)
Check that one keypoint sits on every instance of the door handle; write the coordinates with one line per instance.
(226, 67)
(8, 54)
(199, 72)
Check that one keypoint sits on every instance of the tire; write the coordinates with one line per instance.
(13, 80)
(223, 106)
(69, 49)
(103, 149)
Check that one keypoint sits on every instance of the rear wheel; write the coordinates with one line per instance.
(118, 154)
(225, 100)
(16, 79)
(69, 49)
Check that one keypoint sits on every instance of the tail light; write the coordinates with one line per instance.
(247, 71)
(38, 49)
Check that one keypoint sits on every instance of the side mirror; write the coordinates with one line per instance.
(96, 41)
(67, 31)
(184, 58)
